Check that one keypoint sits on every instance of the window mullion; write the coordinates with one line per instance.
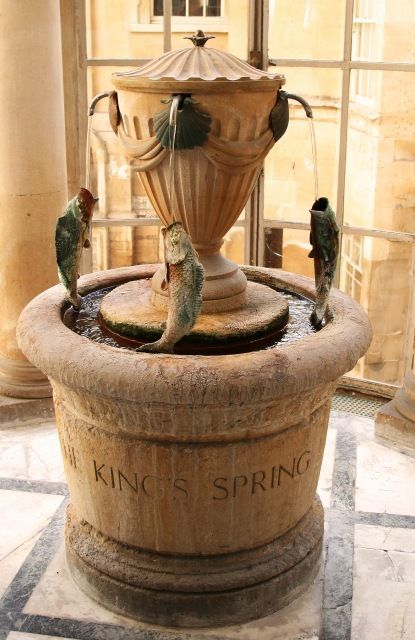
(167, 12)
(344, 125)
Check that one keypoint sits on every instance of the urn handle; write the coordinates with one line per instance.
(113, 108)
(279, 116)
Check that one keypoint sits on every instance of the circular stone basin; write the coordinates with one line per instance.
(128, 312)
(193, 478)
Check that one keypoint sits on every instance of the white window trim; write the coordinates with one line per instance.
(215, 25)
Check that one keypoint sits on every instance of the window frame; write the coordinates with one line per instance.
(255, 223)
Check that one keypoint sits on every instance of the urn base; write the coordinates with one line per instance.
(224, 288)
(194, 590)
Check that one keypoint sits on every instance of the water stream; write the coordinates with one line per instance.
(314, 151)
(88, 154)
(172, 139)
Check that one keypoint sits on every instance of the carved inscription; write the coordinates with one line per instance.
(260, 481)
(250, 483)
(150, 486)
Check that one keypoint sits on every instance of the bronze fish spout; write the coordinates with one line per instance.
(324, 238)
(72, 235)
(185, 277)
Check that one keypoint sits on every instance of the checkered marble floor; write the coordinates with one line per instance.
(365, 589)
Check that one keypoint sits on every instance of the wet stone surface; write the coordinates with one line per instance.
(86, 323)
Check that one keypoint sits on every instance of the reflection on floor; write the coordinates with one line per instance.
(366, 586)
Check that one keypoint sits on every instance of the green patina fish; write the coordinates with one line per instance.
(72, 231)
(185, 277)
(324, 238)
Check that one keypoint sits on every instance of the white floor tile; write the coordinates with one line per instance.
(31, 453)
(384, 584)
(299, 621)
(23, 518)
(57, 595)
(325, 481)
(385, 481)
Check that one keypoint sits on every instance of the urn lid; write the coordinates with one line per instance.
(195, 65)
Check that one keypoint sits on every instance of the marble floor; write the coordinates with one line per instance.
(364, 591)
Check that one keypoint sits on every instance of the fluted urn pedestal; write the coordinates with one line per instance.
(223, 133)
(192, 478)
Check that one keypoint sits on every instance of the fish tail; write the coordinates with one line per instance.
(75, 299)
(316, 318)
(320, 312)
(160, 346)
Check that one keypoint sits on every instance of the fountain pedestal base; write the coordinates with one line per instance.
(195, 591)
(193, 479)
(129, 314)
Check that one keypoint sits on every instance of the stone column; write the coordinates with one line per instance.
(33, 187)
(395, 421)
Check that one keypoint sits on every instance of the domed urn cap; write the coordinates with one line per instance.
(190, 68)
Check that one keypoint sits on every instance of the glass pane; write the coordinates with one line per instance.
(179, 7)
(380, 174)
(306, 29)
(213, 8)
(195, 7)
(384, 31)
(378, 274)
(230, 30)
(122, 29)
(289, 168)
(119, 189)
(288, 249)
(126, 29)
(157, 7)
(100, 260)
(233, 247)
(114, 247)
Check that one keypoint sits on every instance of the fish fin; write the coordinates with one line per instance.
(312, 254)
(199, 281)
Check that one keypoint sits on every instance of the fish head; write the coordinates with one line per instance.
(86, 203)
(176, 243)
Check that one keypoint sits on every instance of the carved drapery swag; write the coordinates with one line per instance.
(226, 155)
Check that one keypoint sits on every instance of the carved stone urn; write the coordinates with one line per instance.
(223, 134)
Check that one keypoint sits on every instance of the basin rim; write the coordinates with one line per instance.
(78, 362)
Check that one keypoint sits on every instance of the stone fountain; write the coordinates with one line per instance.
(193, 477)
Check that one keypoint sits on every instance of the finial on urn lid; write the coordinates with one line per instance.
(199, 39)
